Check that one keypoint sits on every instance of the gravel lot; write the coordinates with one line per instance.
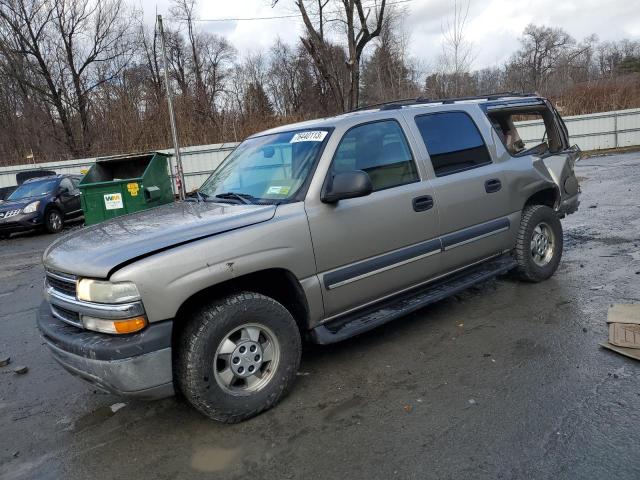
(504, 381)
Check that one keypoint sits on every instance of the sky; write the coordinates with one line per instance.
(493, 26)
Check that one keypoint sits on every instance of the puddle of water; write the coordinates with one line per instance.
(214, 459)
(21, 468)
(345, 407)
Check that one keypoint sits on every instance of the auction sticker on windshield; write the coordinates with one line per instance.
(113, 201)
(311, 136)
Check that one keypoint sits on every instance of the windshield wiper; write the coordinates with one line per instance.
(242, 197)
(198, 195)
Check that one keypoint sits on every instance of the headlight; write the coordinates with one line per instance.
(32, 207)
(107, 292)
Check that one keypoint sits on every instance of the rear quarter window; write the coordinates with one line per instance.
(453, 142)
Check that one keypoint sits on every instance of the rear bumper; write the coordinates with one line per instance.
(137, 365)
(569, 205)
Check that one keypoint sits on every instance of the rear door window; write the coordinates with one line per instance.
(453, 142)
(381, 150)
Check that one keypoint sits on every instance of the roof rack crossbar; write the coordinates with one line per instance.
(395, 104)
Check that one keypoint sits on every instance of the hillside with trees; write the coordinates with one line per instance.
(85, 78)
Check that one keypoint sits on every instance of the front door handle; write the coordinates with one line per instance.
(492, 185)
(420, 204)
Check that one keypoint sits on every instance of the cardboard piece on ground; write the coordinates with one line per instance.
(624, 313)
(628, 352)
(624, 325)
(625, 335)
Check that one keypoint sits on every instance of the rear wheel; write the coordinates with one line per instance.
(539, 243)
(238, 356)
(53, 221)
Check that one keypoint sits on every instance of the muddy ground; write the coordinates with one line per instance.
(504, 381)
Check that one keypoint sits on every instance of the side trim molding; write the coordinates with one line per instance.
(385, 262)
(468, 235)
(367, 268)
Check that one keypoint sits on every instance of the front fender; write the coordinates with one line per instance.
(168, 278)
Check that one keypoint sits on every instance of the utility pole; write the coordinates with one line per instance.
(172, 119)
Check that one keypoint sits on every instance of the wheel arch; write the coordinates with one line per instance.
(277, 283)
(549, 196)
(52, 206)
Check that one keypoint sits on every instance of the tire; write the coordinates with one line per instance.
(53, 221)
(539, 226)
(204, 358)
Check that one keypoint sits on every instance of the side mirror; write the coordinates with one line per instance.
(347, 185)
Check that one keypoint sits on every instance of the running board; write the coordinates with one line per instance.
(387, 310)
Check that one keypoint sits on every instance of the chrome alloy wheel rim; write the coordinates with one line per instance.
(56, 221)
(542, 244)
(246, 360)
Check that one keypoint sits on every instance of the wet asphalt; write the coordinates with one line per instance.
(506, 380)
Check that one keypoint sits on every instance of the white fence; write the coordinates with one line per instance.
(595, 131)
(590, 132)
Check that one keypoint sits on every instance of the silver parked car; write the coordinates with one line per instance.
(322, 230)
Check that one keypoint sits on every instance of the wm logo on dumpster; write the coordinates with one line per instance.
(113, 201)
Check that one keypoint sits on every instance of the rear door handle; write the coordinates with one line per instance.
(420, 204)
(492, 185)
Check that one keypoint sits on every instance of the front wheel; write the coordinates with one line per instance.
(539, 243)
(237, 356)
(53, 221)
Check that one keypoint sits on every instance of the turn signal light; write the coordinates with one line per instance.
(130, 325)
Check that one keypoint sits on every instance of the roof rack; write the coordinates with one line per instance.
(396, 104)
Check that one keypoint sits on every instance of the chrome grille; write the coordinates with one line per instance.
(62, 283)
(10, 213)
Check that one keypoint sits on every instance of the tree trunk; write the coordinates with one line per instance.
(354, 89)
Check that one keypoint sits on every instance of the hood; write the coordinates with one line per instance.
(18, 204)
(96, 250)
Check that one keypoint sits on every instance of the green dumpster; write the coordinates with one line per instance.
(119, 185)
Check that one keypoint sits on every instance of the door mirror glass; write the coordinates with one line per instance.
(355, 183)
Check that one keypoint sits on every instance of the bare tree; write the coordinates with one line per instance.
(208, 61)
(95, 38)
(611, 55)
(457, 51)
(387, 73)
(150, 58)
(361, 25)
(184, 10)
(541, 51)
(68, 49)
(78, 78)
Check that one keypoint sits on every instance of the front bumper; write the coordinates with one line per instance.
(136, 365)
(22, 222)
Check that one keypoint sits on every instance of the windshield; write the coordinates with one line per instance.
(270, 168)
(33, 189)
